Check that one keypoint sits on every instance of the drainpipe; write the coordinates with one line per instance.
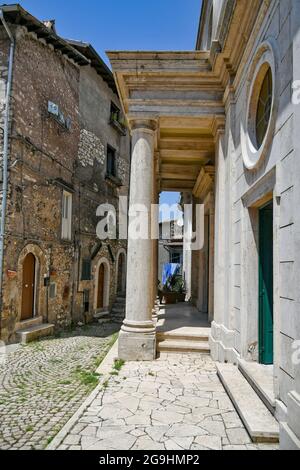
(5, 149)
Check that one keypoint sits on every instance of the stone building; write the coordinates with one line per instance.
(221, 122)
(64, 152)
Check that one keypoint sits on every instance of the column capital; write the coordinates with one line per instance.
(148, 125)
(218, 127)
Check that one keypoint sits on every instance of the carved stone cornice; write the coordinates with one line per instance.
(204, 183)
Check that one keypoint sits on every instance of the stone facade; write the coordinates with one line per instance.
(211, 143)
(275, 178)
(46, 159)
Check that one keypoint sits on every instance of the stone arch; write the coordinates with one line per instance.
(103, 263)
(121, 276)
(40, 272)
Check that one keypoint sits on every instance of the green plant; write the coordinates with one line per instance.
(119, 363)
(175, 283)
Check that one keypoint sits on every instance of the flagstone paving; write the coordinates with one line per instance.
(174, 403)
(44, 383)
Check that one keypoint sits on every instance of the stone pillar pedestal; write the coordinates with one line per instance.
(137, 341)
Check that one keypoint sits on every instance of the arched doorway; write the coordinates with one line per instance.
(102, 285)
(101, 279)
(28, 287)
(121, 274)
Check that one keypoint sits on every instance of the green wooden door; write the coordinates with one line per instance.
(266, 284)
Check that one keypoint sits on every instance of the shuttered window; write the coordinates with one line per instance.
(86, 270)
(66, 232)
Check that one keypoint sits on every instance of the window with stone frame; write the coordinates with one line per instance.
(264, 107)
(111, 166)
(86, 270)
(114, 113)
(66, 224)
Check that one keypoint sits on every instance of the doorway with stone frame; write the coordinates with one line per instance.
(29, 286)
(259, 361)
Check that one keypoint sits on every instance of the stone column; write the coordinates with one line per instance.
(187, 253)
(137, 341)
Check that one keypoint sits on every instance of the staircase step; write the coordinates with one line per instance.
(259, 422)
(260, 378)
(33, 333)
(28, 323)
(177, 336)
(99, 315)
(119, 305)
(118, 310)
(179, 346)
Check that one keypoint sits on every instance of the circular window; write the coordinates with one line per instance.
(264, 106)
(258, 126)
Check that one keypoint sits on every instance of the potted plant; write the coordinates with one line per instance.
(180, 289)
(174, 290)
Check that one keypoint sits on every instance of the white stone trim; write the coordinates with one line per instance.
(107, 275)
(222, 344)
(266, 56)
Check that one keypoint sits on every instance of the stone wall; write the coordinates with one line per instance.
(94, 189)
(45, 160)
(42, 155)
(235, 330)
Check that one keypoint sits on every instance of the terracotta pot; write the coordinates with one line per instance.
(170, 297)
(181, 297)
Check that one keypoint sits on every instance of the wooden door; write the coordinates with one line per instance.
(266, 300)
(121, 268)
(101, 278)
(28, 287)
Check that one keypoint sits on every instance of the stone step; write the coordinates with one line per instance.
(260, 378)
(33, 333)
(22, 325)
(177, 336)
(101, 314)
(118, 310)
(259, 422)
(179, 346)
(121, 299)
(120, 305)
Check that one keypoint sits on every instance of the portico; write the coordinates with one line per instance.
(174, 109)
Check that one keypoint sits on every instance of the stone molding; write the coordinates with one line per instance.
(222, 344)
(204, 183)
(146, 125)
(266, 55)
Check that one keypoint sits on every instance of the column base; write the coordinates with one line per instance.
(290, 430)
(221, 343)
(137, 346)
(288, 440)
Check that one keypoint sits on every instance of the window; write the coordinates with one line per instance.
(86, 301)
(264, 107)
(175, 258)
(116, 119)
(52, 290)
(111, 162)
(66, 231)
(86, 270)
(114, 113)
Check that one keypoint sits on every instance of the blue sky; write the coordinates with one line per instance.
(123, 24)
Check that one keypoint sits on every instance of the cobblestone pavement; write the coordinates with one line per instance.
(175, 403)
(44, 383)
